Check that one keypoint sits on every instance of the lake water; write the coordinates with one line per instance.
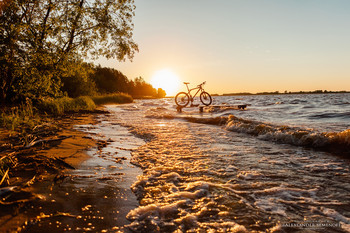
(281, 165)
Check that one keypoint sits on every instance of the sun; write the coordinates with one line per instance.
(166, 80)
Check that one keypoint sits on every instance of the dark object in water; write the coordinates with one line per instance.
(239, 107)
(179, 109)
(242, 106)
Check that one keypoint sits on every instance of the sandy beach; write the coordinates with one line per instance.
(78, 183)
(40, 166)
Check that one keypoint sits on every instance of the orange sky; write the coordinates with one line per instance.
(243, 46)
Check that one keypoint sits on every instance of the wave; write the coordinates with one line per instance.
(331, 115)
(339, 141)
(329, 141)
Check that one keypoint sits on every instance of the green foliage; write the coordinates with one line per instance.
(59, 106)
(78, 82)
(110, 80)
(82, 103)
(23, 116)
(41, 39)
(119, 98)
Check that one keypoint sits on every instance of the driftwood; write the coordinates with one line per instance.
(43, 141)
(6, 191)
(16, 193)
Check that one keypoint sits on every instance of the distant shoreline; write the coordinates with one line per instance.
(286, 93)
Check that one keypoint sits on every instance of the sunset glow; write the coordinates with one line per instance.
(255, 46)
(166, 80)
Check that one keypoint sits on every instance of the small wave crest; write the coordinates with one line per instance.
(221, 120)
(331, 115)
(290, 135)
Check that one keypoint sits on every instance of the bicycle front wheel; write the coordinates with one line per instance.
(182, 99)
(205, 98)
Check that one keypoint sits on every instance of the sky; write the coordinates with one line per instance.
(243, 45)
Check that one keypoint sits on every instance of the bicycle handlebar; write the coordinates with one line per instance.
(202, 84)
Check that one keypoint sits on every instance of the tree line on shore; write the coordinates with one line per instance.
(90, 80)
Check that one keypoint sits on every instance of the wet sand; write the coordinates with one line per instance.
(95, 196)
(40, 165)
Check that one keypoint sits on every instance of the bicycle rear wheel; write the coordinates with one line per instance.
(182, 99)
(205, 98)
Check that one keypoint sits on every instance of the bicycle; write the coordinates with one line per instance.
(182, 99)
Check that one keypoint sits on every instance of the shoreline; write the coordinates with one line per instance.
(81, 182)
(61, 149)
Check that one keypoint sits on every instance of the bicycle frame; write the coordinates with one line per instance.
(200, 89)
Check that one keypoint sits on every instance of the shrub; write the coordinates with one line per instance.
(83, 103)
(22, 115)
(118, 98)
(65, 104)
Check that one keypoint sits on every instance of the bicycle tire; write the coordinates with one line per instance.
(182, 99)
(205, 98)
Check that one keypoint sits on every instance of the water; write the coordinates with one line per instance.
(281, 165)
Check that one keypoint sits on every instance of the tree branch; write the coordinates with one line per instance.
(43, 25)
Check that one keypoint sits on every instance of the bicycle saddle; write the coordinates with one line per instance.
(186, 83)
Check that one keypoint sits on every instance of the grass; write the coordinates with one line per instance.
(118, 98)
(62, 105)
(27, 116)
(23, 115)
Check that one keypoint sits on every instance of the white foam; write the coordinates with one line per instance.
(231, 168)
(190, 195)
(270, 205)
(171, 177)
(143, 211)
(198, 185)
(318, 167)
(289, 194)
(223, 227)
(169, 209)
(188, 221)
(155, 210)
(249, 175)
(335, 215)
(275, 199)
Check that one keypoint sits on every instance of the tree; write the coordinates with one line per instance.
(109, 80)
(161, 93)
(78, 81)
(141, 88)
(41, 39)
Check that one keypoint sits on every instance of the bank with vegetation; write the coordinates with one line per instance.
(43, 49)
